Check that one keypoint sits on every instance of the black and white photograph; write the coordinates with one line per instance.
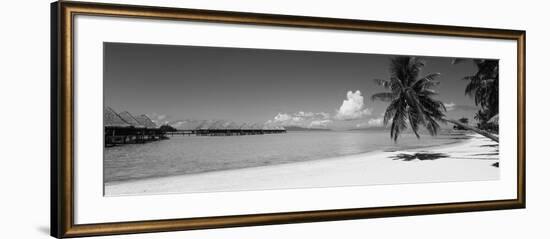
(187, 119)
(274, 119)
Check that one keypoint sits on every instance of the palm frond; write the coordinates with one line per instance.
(415, 105)
(483, 85)
(390, 111)
(414, 121)
(411, 98)
(432, 126)
(426, 82)
(399, 122)
(396, 85)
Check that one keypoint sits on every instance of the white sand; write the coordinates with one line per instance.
(467, 161)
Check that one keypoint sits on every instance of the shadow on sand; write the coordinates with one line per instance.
(486, 154)
(489, 145)
(419, 156)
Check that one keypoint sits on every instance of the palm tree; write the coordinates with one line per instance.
(483, 85)
(411, 99)
(463, 120)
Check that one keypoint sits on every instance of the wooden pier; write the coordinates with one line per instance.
(124, 128)
(116, 136)
(225, 132)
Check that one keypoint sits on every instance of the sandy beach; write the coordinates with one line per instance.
(470, 160)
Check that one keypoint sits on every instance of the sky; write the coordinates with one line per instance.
(276, 87)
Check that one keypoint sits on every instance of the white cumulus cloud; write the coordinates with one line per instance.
(374, 122)
(282, 117)
(353, 107)
(301, 118)
(319, 123)
(377, 122)
(449, 106)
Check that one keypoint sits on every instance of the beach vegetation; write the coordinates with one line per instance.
(411, 98)
(463, 120)
(412, 102)
(483, 88)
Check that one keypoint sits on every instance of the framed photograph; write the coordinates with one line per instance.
(170, 119)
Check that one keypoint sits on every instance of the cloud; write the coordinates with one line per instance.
(371, 123)
(281, 117)
(286, 119)
(311, 115)
(449, 106)
(319, 123)
(353, 107)
(301, 119)
(376, 122)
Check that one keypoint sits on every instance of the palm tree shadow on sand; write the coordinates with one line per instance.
(420, 156)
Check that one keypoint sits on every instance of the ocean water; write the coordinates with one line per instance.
(195, 154)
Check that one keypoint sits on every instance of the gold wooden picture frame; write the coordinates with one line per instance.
(63, 118)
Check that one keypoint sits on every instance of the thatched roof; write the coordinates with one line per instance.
(268, 127)
(205, 124)
(112, 119)
(224, 124)
(145, 121)
(245, 126)
(233, 125)
(217, 125)
(257, 126)
(126, 116)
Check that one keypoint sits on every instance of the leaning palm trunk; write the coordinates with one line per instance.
(481, 132)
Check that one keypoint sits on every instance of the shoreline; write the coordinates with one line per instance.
(441, 163)
(466, 136)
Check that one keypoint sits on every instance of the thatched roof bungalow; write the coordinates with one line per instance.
(217, 125)
(246, 126)
(126, 116)
(205, 125)
(257, 126)
(233, 126)
(145, 121)
(113, 120)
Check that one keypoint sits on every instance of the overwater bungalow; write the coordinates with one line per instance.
(234, 128)
(124, 128)
(185, 127)
(245, 129)
(204, 128)
(117, 130)
(257, 128)
(218, 128)
(140, 130)
(152, 131)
